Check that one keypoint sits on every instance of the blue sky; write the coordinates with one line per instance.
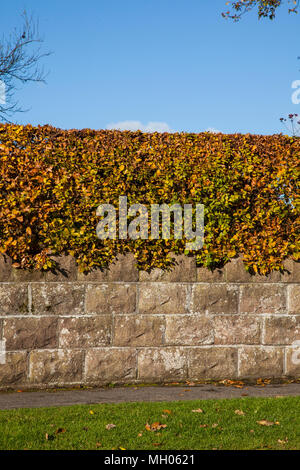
(173, 62)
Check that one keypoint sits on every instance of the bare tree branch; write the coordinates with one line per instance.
(20, 55)
(265, 8)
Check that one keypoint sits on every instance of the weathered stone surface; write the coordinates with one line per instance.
(293, 360)
(58, 299)
(294, 299)
(26, 275)
(13, 299)
(190, 330)
(56, 367)
(162, 364)
(206, 275)
(14, 371)
(106, 365)
(66, 270)
(259, 361)
(163, 298)
(292, 273)
(30, 333)
(111, 298)
(212, 363)
(5, 268)
(237, 329)
(122, 269)
(138, 330)
(183, 271)
(85, 332)
(282, 330)
(236, 272)
(213, 298)
(263, 299)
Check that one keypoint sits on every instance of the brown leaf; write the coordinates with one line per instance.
(110, 426)
(98, 444)
(197, 411)
(265, 422)
(60, 431)
(167, 411)
(239, 412)
(155, 426)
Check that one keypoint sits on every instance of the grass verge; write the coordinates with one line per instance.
(244, 423)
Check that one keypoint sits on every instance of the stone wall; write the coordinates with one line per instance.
(121, 326)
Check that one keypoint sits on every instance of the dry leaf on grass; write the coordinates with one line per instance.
(197, 411)
(155, 426)
(285, 441)
(265, 422)
(239, 412)
(110, 426)
(60, 431)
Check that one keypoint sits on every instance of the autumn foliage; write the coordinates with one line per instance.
(53, 180)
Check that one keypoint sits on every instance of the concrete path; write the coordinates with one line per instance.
(137, 394)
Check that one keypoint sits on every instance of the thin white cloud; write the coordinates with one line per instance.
(151, 126)
(212, 130)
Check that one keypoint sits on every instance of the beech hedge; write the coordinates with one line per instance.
(53, 180)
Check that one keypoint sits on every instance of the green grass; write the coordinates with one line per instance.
(84, 427)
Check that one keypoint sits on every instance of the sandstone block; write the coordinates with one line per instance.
(183, 271)
(106, 365)
(58, 299)
(122, 269)
(111, 298)
(190, 330)
(162, 364)
(212, 363)
(237, 329)
(13, 299)
(163, 298)
(215, 299)
(85, 332)
(30, 333)
(263, 299)
(56, 367)
(258, 361)
(138, 330)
